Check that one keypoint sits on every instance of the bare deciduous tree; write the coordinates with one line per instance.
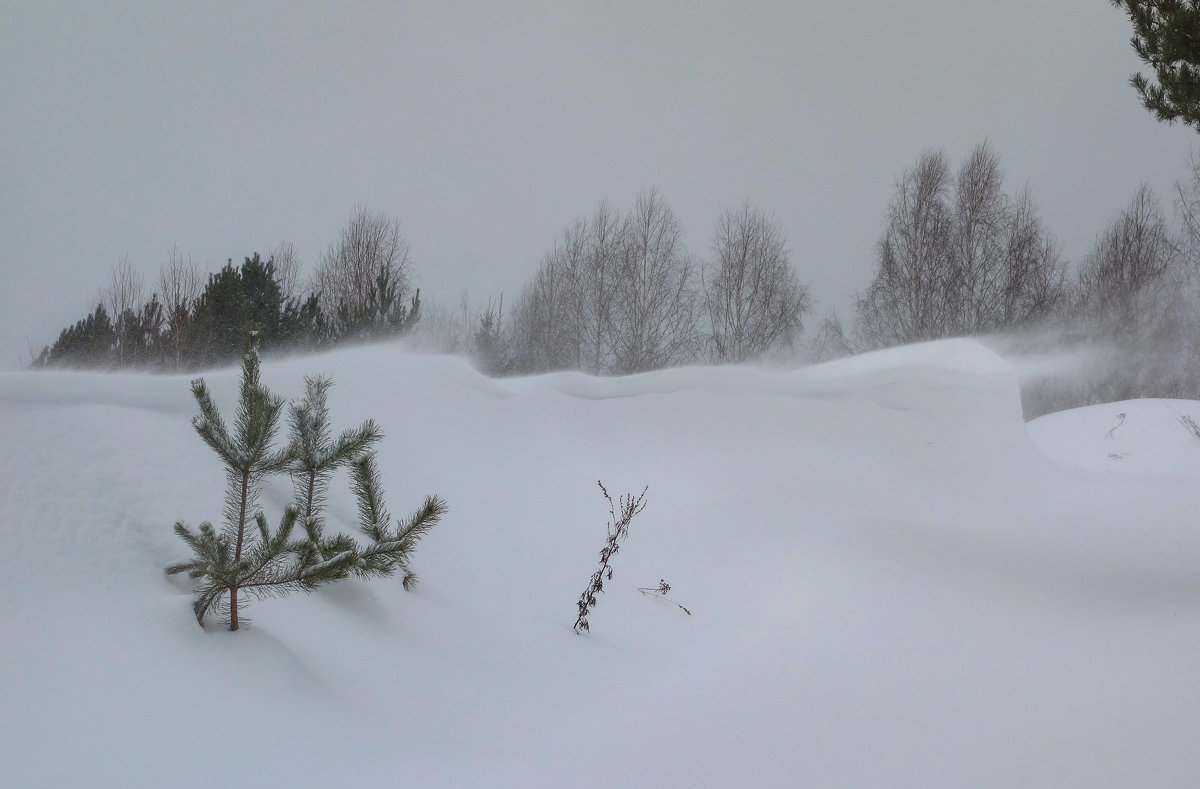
(442, 329)
(180, 279)
(751, 295)
(594, 288)
(123, 295)
(287, 270)
(976, 263)
(370, 245)
(976, 271)
(831, 341)
(614, 295)
(1034, 272)
(654, 310)
(1128, 261)
(564, 317)
(542, 320)
(904, 302)
(180, 282)
(125, 289)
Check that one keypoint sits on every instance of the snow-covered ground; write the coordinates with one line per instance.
(894, 582)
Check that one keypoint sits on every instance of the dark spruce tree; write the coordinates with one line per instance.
(89, 343)
(232, 298)
(1166, 36)
(303, 325)
(381, 313)
(493, 346)
(139, 335)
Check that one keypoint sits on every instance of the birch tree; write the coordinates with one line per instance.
(752, 298)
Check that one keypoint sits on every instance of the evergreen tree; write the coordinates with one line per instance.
(238, 558)
(492, 347)
(1166, 36)
(381, 312)
(303, 325)
(315, 455)
(89, 343)
(263, 299)
(241, 559)
(217, 314)
(232, 298)
(139, 335)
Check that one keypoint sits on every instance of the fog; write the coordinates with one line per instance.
(134, 128)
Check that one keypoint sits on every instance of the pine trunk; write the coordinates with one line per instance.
(237, 557)
(241, 526)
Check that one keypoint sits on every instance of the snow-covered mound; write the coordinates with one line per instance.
(890, 585)
(1134, 436)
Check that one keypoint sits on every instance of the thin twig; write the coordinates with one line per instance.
(660, 593)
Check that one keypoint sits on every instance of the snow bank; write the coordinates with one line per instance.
(1130, 437)
(891, 585)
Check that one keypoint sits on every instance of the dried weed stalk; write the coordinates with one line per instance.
(618, 530)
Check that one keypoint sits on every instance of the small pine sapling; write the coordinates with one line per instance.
(315, 455)
(262, 563)
(239, 558)
(617, 531)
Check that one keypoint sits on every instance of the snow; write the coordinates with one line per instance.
(893, 582)
(1131, 437)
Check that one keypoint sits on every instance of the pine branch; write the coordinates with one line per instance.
(209, 424)
(392, 552)
(315, 455)
(422, 521)
(389, 550)
(373, 516)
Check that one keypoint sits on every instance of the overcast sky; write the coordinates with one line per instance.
(226, 128)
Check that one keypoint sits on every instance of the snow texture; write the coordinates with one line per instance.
(893, 580)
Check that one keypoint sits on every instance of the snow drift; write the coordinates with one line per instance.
(893, 580)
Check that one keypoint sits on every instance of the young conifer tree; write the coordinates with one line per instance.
(263, 563)
(315, 455)
(241, 558)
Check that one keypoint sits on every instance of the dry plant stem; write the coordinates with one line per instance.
(618, 529)
(1120, 421)
(660, 593)
(1190, 424)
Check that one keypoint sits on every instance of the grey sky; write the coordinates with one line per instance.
(127, 128)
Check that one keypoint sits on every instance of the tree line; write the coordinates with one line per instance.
(360, 290)
(619, 292)
(960, 257)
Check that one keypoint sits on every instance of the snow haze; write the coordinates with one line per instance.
(893, 580)
(130, 128)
